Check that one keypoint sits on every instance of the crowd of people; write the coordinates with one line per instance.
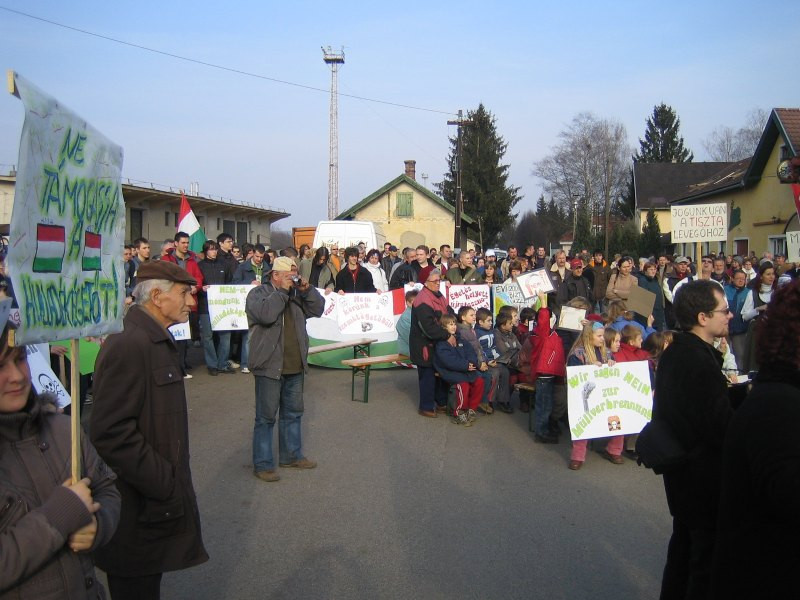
(135, 510)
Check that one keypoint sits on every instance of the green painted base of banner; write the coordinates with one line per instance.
(333, 359)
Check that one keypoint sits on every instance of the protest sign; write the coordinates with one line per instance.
(474, 296)
(226, 306)
(793, 246)
(67, 224)
(365, 313)
(43, 379)
(640, 301)
(534, 282)
(570, 318)
(181, 331)
(507, 294)
(699, 223)
(605, 401)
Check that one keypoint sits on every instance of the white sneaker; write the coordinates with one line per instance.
(187, 376)
(234, 365)
(245, 370)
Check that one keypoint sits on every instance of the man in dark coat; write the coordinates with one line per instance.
(139, 427)
(575, 284)
(691, 397)
(406, 272)
(428, 308)
(353, 277)
(598, 275)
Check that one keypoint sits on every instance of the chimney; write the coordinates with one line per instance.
(411, 169)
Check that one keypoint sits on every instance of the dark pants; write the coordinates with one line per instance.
(146, 587)
(432, 390)
(687, 574)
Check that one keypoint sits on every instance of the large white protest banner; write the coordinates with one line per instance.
(226, 305)
(474, 296)
(793, 246)
(605, 401)
(365, 313)
(699, 223)
(67, 225)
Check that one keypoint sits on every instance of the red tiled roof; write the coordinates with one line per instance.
(790, 119)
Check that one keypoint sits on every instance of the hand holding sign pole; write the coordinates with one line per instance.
(67, 226)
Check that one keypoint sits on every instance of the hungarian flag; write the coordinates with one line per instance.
(91, 252)
(50, 249)
(188, 223)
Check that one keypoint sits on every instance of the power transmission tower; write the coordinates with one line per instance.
(334, 60)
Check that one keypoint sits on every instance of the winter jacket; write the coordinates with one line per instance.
(362, 284)
(601, 274)
(215, 272)
(574, 287)
(547, 351)
(139, 425)
(651, 285)
(465, 333)
(621, 322)
(38, 514)
(628, 353)
(619, 286)
(265, 306)
(691, 396)
(405, 273)
(327, 274)
(403, 330)
(509, 348)
(470, 277)
(378, 276)
(452, 362)
(246, 273)
(425, 328)
(736, 299)
(486, 340)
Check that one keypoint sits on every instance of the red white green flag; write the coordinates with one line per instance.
(50, 249)
(188, 223)
(91, 251)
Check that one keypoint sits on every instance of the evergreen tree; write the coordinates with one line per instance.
(662, 141)
(650, 240)
(484, 179)
(626, 206)
(541, 206)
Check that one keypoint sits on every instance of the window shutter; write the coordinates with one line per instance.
(405, 204)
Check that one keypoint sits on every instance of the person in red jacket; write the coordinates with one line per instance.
(547, 363)
(630, 348)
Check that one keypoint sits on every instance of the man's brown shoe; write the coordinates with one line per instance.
(269, 475)
(441, 409)
(303, 463)
(427, 413)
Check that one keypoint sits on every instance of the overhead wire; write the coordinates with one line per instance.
(220, 67)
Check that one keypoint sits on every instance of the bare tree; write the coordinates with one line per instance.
(587, 170)
(728, 145)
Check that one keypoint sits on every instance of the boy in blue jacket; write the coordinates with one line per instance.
(457, 364)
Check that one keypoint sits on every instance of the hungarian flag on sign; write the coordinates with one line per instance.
(188, 223)
(91, 251)
(49, 249)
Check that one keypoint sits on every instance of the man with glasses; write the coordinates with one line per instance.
(691, 398)
(429, 306)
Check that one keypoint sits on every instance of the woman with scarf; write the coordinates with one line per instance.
(755, 304)
(373, 265)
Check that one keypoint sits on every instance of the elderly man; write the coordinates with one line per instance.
(277, 313)
(139, 427)
(465, 273)
(558, 275)
(405, 272)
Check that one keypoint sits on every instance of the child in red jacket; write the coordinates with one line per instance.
(547, 363)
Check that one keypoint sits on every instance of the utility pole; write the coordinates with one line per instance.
(458, 236)
(334, 60)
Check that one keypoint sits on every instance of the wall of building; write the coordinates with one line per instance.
(6, 199)
(431, 224)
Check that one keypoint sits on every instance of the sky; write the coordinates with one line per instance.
(534, 65)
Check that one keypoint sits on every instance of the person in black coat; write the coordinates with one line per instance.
(759, 524)
(426, 331)
(691, 397)
(575, 283)
(353, 277)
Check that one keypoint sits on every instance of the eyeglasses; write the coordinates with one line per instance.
(725, 310)
(432, 281)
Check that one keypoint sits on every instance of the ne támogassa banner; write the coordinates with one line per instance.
(699, 223)
(605, 401)
(365, 313)
(474, 296)
(67, 225)
(226, 305)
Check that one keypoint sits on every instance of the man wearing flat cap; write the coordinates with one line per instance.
(139, 426)
(276, 313)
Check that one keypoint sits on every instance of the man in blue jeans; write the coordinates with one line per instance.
(277, 313)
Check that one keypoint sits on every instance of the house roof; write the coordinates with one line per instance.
(783, 122)
(350, 213)
(730, 176)
(656, 184)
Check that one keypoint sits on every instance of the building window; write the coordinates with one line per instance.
(777, 244)
(229, 227)
(166, 219)
(242, 232)
(785, 154)
(742, 246)
(176, 220)
(405, 204)
(137, 218)
(722, 248)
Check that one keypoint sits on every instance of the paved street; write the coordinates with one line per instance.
(407, 507)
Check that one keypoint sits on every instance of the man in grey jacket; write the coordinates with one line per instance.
(277, 313)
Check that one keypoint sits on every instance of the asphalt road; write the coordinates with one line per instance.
(407, 507)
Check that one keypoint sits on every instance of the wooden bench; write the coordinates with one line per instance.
(527, 387)
(360, 368)
(359, 347)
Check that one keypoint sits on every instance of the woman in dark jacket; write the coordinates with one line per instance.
(759, 524)
(48, 526)
(428, 308)
(649, 281)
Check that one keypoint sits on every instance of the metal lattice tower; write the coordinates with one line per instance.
(334, 60)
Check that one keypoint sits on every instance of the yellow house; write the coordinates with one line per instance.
(409, 214)
(760, 208)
